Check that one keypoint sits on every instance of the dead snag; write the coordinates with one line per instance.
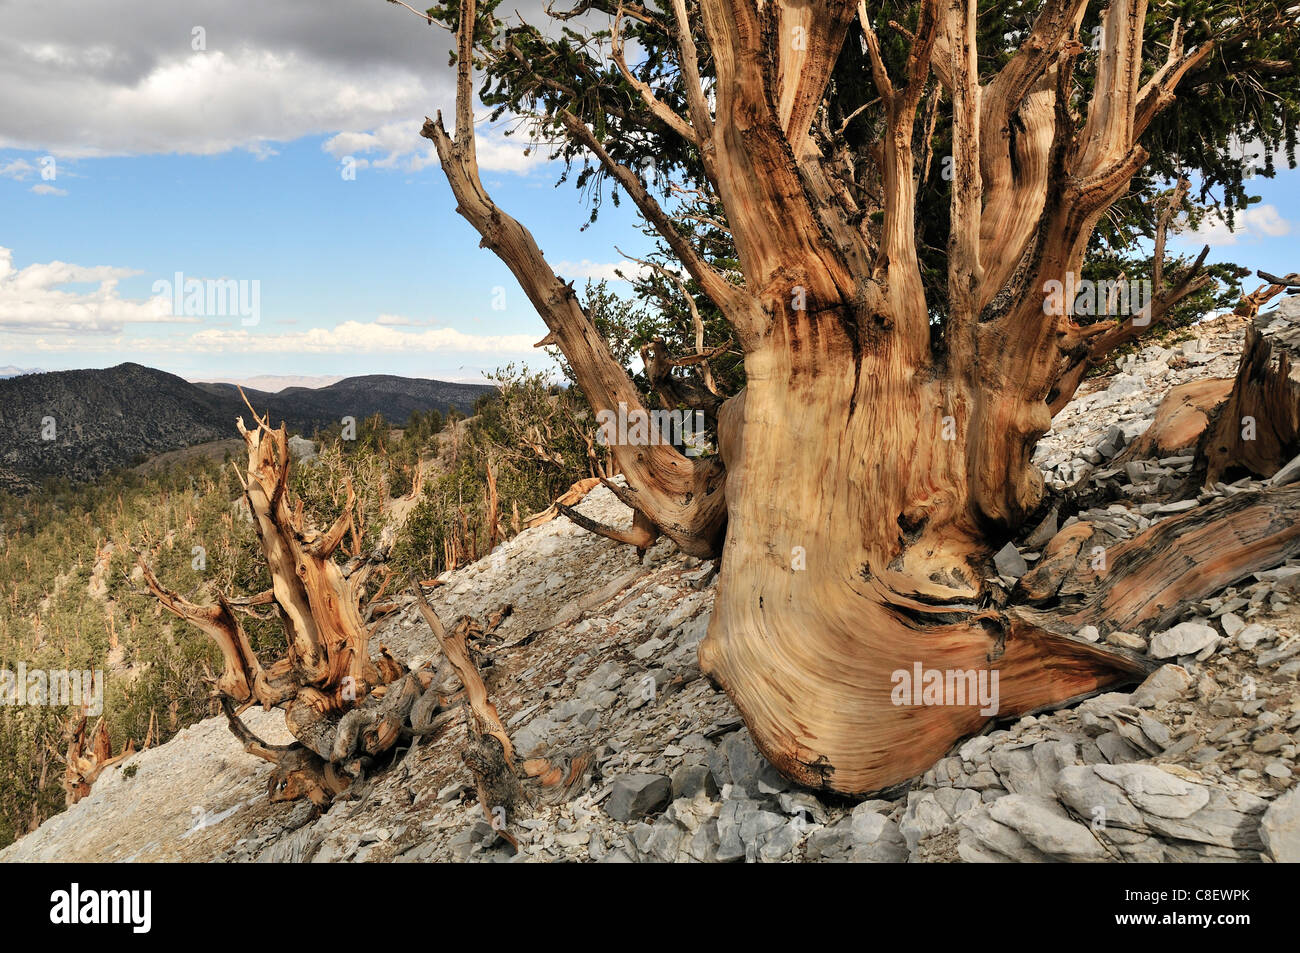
(1257, 430)
(151, 738)
(344, 707)
(1250, 304)
(86, 762)
(490, 756)
(492, 504)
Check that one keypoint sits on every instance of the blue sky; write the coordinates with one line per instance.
(228, 161)
(211, 138)
(382, 248)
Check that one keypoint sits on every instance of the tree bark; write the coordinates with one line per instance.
(1257, 429)
(868, 477)
(1180, 420)
(853, 554)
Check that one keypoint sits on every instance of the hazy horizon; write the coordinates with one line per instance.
(255, 381)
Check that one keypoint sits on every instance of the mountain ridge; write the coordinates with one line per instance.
(81, 424)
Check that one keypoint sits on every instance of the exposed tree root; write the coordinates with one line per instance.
(1141, 585)
(641, 534)
(571, 497)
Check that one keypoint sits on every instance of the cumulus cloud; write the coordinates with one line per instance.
(1259, 222)
(133, 83)
(35, 299)
(400, 321)
(498, 153)
(48, 190)
(57, 306)
(16, 169)
(354, 337)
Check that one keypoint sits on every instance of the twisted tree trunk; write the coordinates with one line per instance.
(87, 759)
(346, 708)
(870, 473)
(853, 555)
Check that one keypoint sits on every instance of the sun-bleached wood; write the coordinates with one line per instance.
(867, 476)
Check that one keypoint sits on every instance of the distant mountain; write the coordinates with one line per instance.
(12, 371)
(81, 424)
(274, 383)
(306, 408)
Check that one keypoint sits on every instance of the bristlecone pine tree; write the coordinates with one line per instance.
(346, 707)
(879, 453)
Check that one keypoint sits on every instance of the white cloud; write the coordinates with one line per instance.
(17, 169)
(210, 102)
(133, 84)
(48, 190)
(1258, 222)
(350, 337)
(34, 299)
(599, 271)
(509, 154)
(355, 336)
(398, 321)
(393, 141)
(1266, 221)
(399, 145)
(58, 306)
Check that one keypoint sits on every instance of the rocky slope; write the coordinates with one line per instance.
(600, 652)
